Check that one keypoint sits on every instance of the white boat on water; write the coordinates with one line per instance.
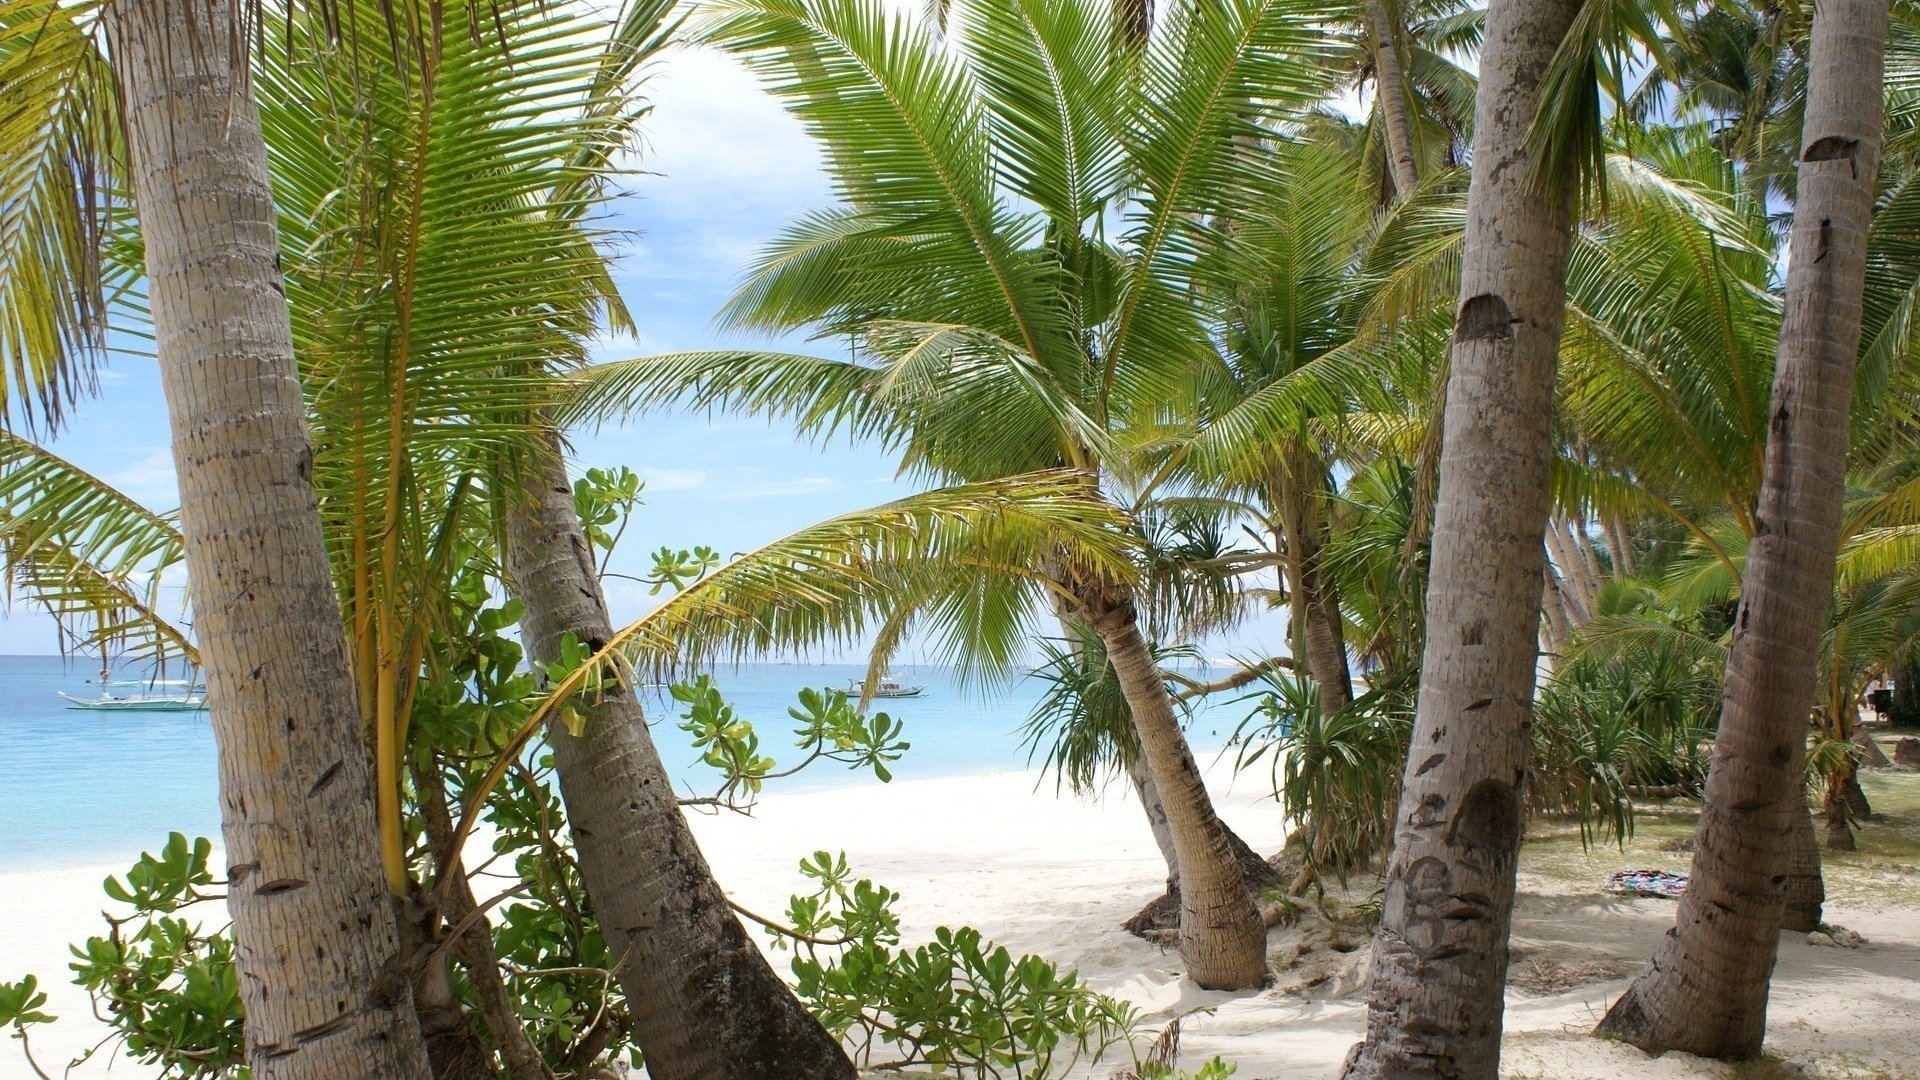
(191, 698)
(885, 687)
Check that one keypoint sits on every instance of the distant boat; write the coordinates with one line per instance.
(108, 701)
(885, 687)
(192, 697)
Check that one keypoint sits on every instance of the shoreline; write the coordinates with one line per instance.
(1057, 875)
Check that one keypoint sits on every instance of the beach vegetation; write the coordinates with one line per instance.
(1585, 496)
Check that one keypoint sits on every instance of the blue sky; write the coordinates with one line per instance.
(726, 167)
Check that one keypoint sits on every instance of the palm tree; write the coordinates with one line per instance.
(1383, 27)
(314, 931)
(1439, 966)
(1706, 990)
(431, 423)
(704, 1000)
(1000, 329)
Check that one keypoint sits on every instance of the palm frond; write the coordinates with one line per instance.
(94, 558)
(60, 170)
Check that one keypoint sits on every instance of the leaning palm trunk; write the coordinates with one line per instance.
(1706, 989)
(1391, 88)
(1222, 937)
(704, 1002)
(1318, 628)
(324, 988)
(1440, 954)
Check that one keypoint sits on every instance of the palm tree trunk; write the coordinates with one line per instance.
(1390, 86)
(1706, 989)
(1573, 568)
(1141, 777)
(316, 944)
(519, 1058)
(1620, 547)
(1555, 630)
(1845, 802)
(1222, 937)
(1319, 629)
(1806, 890)
(1440, 953)
(704, 1001)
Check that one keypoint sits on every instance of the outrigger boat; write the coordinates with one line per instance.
(108, 701)
(191, 698)
(885, 687)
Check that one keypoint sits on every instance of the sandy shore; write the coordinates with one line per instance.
(1057, 875)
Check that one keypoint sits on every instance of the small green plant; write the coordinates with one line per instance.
(1615, 723)
(20, 1005)
(830, 729)
(1337, 776)
(165, 983)
(957, 1002)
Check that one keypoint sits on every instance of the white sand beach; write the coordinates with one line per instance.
(1055, 875)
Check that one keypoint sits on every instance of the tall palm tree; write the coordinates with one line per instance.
(1000, 328)
(1706, 989)
(1439, 967)
(1383, 25)
(429, 425)
(315, 935)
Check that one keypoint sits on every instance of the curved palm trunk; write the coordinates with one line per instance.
(1706, 990)
(1391, 87)
(1440, 954)
(316, 944)
(1319, 629)
(704, 1002)
(1222, 937)
(1556, 630)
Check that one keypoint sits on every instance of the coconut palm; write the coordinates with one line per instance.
(313, 927)
(1422, 95)
(999, 327)
(1706, 991)
(1437, 977)
(432, 428)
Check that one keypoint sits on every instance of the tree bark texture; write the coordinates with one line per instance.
(1805, 889)
(519, 1058)
(1705, 991)
(1319, 632)
(1222, 937)
(1440, 953)
(316, 942)
(1390, 86)
(704, 1001)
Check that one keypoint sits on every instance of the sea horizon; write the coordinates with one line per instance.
(82, 788)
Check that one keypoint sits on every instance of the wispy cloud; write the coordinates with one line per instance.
(149, 479)
(773, 489)
(664, 480)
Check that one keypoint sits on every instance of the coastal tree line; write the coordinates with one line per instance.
(1538, 351)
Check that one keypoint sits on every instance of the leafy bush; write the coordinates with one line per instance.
(957, 1002)
(165, 983)
(831, 729)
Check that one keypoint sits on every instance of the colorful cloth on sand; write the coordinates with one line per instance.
(1663, 883)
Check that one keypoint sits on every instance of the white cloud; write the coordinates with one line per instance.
(663, 480)
(718, 140)
(149, 479)
(775, 489)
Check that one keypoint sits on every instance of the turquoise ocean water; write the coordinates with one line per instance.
(86, 788)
